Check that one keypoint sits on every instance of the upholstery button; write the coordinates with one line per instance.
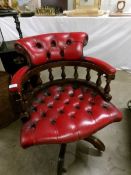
(77, 106)
(105, 106)
(43, 114)
(66, 102)
(89, 111)
(39, 45)
(56, 94)
(53, 121)
(50, 105)
(53, 43)
(69, 42)
(33, 125)
(71, 94)
(81, 97)
(61, 111)
(57, 97)
(72, 114)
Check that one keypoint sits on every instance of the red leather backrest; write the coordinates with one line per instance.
(51, 47)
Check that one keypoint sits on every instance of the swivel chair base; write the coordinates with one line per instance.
(92, 139)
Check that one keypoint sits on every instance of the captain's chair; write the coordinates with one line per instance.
(64, 109)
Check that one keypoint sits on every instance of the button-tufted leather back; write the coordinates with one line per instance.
(52, 47)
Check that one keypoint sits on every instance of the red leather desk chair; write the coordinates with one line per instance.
(67, 109)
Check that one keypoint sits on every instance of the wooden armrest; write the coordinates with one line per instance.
(16, 81)
(107, 68)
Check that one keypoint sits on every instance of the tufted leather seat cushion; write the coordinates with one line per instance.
(66, 113)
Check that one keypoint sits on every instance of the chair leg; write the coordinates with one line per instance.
(96, 143)
(60, 166)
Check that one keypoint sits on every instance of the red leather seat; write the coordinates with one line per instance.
(62, 114)
(66, 109)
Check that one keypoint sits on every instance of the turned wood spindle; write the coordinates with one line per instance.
(88, 77)
(51, 78)
(76, 72)
(18, 25)
(63, 74)
(107, 86)
(99, 81)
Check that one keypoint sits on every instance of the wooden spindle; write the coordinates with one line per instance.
(51, 78)
(99, 82)
(76, 72)
(63, 74)
(88, 77)
(107, 86)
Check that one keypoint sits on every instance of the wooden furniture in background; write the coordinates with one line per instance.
(12, 61)
(6, 112)
(14, 14)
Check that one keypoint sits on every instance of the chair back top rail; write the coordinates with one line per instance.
(52, 47)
